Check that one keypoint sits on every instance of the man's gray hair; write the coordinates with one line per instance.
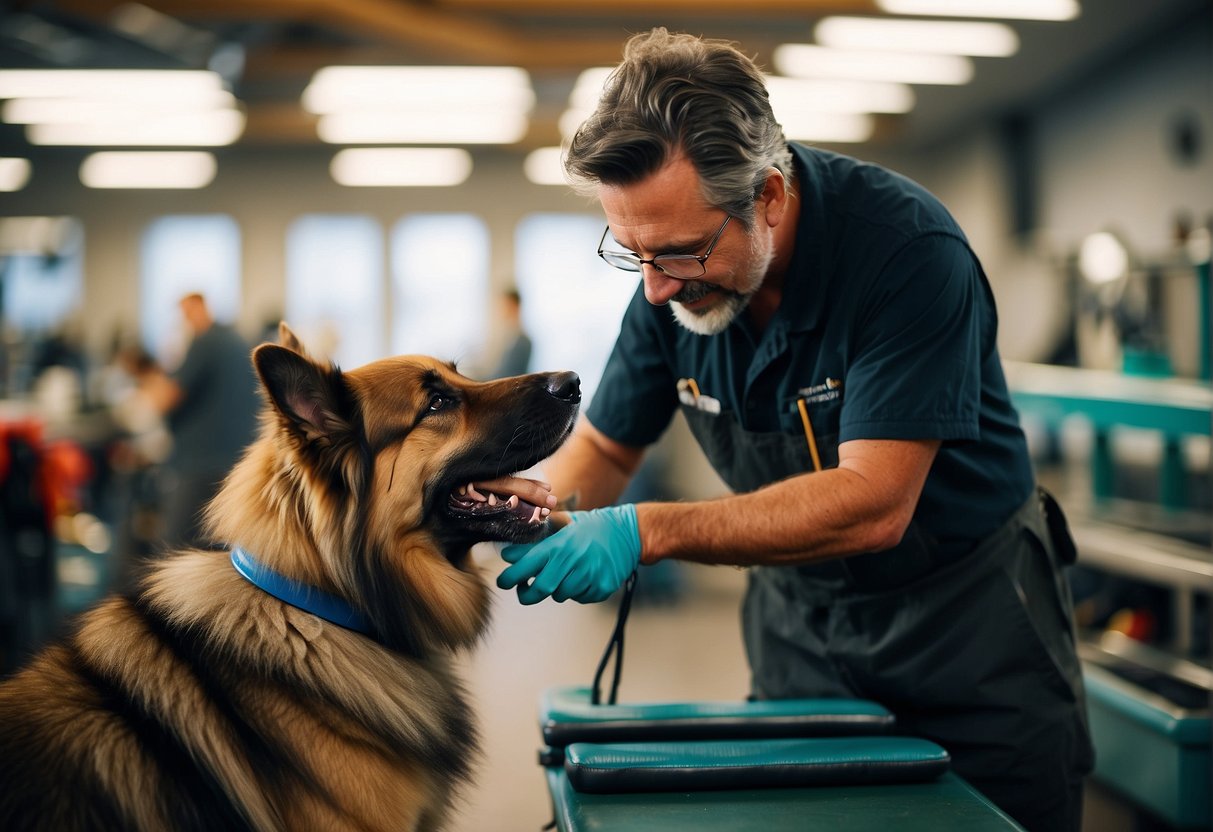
(677, 93)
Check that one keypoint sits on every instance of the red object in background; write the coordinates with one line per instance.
(63, 466)
(66, 469)
(1139, 624)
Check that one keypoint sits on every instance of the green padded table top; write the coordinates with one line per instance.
(944, 804)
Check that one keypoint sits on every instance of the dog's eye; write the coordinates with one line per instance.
(439, 402)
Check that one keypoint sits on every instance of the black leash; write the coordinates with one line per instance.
(615, 645)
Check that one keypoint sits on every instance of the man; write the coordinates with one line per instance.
(832, 344)
(516, 357)
(210, 404)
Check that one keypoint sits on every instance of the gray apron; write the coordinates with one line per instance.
(976, 654)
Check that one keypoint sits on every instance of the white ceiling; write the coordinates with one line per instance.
(278, 44)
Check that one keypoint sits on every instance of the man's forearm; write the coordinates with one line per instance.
(590, 471)
(863, 506)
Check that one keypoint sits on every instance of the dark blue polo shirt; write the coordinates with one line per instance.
(886, 330)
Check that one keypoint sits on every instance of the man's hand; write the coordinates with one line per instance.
(586, 561)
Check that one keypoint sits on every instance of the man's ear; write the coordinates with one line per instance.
(312, 399)
(774, 197)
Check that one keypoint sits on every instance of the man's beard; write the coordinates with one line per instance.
(716, 318)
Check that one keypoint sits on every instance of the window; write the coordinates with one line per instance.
(40, 271)
(180, 255)
(334, 286)
(440, 285)
(572, 302)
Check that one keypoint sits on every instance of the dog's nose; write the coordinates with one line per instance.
(564, 386)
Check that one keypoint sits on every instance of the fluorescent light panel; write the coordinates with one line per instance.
(588, 87)
(335, 89)
(791, 95)
(420, 104)
(545, 166)
(206, 129)
(1004, 9)
(828, 127)
(809, 61)
(128, 107)
(66, 110)
(436, 127)
(942, 37)
(14, 173)
(371, 167)
(109, 84)
(151, 169)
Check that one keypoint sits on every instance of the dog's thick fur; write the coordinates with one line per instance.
(202, 702)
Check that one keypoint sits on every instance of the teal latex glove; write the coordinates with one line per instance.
(586, 561)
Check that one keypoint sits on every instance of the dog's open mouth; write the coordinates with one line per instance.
(467, 502)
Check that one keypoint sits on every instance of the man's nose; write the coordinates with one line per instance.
(659, 287)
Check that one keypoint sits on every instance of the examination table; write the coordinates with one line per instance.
(830, 764)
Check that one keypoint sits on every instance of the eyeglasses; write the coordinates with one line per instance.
(681, 266)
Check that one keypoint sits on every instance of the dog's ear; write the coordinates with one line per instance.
(288, 339)
(313, 399)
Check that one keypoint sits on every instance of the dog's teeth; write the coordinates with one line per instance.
(545, 511)
(474, 494)
(463, 489)
(492, 499)
(513, 501)
(534, 516)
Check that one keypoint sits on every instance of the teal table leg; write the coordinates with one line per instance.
(1102, 468)
(1206, 312)
(1172, 486)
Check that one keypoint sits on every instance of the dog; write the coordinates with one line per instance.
(203, 701)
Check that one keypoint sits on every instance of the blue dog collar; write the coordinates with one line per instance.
(307, 598)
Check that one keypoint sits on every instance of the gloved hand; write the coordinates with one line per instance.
(586, 561)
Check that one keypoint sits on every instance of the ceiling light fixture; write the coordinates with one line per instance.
(790, 95)
(200, 129)
(14, 173)
(65, 110)
(828, 127)
(109, 84)
(335, 89)
(545, 166)
(1004, 9)
(128, 107)
(378, 167)
(940, 37)
(452, 126)
(151, 169)
(807, 61)
(420, 104)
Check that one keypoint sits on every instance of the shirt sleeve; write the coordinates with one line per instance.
(636, 397)
(917, 367)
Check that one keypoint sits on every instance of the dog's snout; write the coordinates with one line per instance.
(564, 386)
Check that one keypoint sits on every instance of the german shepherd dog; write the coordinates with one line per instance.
(203, 702)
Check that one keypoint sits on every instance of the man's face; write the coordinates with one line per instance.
(666, 214)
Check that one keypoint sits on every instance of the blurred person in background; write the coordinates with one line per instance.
(831, 339)
(516, 356)
(210, 404)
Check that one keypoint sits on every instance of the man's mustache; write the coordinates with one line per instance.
(694, 290)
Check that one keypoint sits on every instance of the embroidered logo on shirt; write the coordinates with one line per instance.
(828, 390)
